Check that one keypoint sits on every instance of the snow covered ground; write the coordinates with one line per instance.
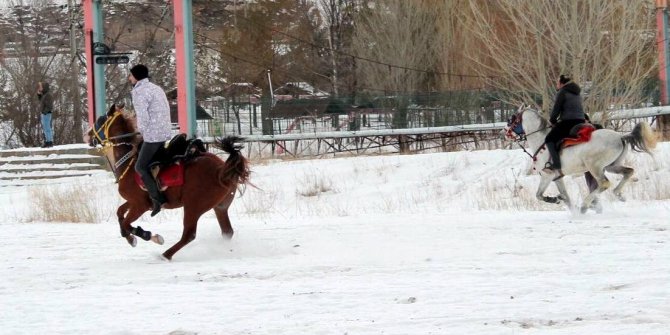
(444, 243)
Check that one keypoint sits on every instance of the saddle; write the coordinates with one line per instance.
(167, 166)
(580, 133)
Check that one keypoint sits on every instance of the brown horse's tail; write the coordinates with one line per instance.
(236, 170)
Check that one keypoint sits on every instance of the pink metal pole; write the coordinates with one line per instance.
(88, 47)
(185, 69)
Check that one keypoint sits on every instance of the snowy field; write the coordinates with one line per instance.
(444, 243)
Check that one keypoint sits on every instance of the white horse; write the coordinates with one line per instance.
(605, 151)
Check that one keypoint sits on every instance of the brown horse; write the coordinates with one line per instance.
(208, 181)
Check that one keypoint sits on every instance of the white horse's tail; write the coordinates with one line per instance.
(641, 139)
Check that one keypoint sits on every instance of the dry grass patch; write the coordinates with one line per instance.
(75, 203)
(259, 201)
(313, 184)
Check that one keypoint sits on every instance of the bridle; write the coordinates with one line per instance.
(108, 143)
(515, 132)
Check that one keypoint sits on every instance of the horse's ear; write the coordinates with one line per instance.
(111, 110)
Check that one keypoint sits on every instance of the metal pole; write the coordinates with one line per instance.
(272, 95)
(183, 24)
(663, 124)
(76, 101)
(95, 73)
(88, 48)
(99, 69)
(663, 53)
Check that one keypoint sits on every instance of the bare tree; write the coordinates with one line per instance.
(606, 46)
(32, 53)
(338, 19)
(395, 41)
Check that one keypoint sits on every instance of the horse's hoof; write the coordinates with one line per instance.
(583, 209)
(162, 258)
(131, 240)
(166, 258)
(157, 239)
(552, 200)
(596, 206)
(227, 236)
(621, 198)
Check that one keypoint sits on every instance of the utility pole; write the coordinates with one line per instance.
(74, 68)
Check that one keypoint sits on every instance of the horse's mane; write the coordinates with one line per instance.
(131, 122)
(131, 127)
(544, 123)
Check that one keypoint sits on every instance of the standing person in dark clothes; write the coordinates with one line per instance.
(153, 122)
(46, 106)
(567, 113)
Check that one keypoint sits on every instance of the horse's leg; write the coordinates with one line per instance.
(127, 230)
(188, 234)
(592, 185)
(221, 211)
(125, 222)
(626, 172)
(596, 205)
(544, 183)
(603, 184)
(121, 211)
(563, 193)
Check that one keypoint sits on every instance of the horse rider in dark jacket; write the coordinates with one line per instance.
(567, 113)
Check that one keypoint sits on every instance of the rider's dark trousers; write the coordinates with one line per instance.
(147, 153)
(561, 130)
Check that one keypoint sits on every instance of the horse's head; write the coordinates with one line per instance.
(526, 120)
(514, 129)
(110, 128)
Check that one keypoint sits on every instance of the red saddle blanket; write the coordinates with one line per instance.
(583, 135)
(172, 175)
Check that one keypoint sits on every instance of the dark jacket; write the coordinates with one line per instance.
(568, 104)
(46, 100)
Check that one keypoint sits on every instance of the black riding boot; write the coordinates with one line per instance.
(555, 159)
(157, 197)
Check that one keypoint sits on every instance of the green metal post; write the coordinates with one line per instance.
(99, 69)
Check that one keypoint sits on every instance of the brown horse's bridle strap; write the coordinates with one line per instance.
(107, 144)
(522, 137)
(127, 167)
(105, 130)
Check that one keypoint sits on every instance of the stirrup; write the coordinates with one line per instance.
(548, 168)
(560, 175)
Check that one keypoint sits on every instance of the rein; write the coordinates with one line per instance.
(107, 144)
(523, 136)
